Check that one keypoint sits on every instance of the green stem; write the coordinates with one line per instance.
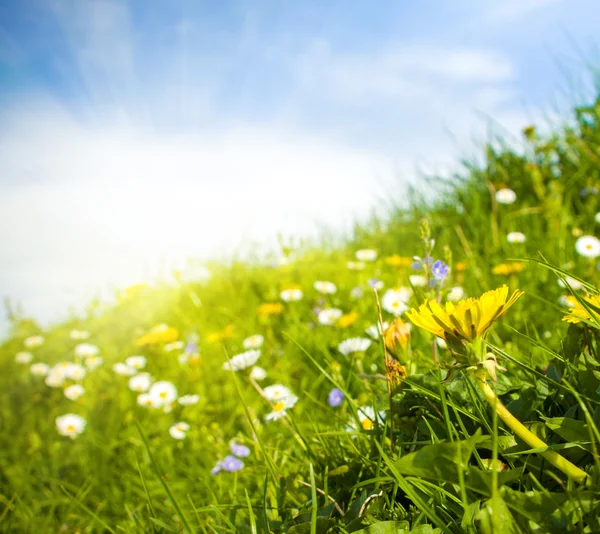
(569, 469)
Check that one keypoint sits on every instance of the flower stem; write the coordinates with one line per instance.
(569, 469)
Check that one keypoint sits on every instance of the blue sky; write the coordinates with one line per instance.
(136, 134)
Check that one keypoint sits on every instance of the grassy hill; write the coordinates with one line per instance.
(384, 434)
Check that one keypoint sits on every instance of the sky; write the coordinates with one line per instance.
(137, 134)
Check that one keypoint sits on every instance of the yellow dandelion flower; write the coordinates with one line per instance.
(399, 261)
(161, 333)
(468, 319)
(578, 312)
(346, 320)
(397, 333)
(508, 269)
(270, 308)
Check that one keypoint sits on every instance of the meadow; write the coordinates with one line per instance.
(439, 372)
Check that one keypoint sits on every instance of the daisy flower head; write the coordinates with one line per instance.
(280, 408)
(241, 451)
(375, 331)
(505, 196)
(74, 371)
(242, 361)
(291, 294)
(366, 254)
(54, 378)
(164, 393)
(33, 341)
(258, 374)
(70, 425)
(74, 392)
(188, 400)
(516, 237)
(140, 382)
(354, 344)
(79, 335)
(588, 246)
(253, 342)
(148, 401)
(335, 397)
(455, 294)
(23, 357)
(329, 316)
(276, 392)
(394, 300)
(123, 369)
(137, 362)
(39, 369)
(179, 430)
(93, 362)
(325, 288)
(83, 350)
(367, 418)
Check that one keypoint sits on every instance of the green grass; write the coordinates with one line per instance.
(425, 468)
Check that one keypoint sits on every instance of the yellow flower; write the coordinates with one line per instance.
(578, 312)
(508, 269)
(397, 332)
(468, 319)
(348, 319)
(399, 261)
(215, 337)
(161, 333)
(270, 308)
(460, 266)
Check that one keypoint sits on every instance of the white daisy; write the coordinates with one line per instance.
(253, 342)
(367, 419)
(588, 246)
(163, 393)
(23, 357)
(54, 379)
(326, 288)
(375, 330)
(505, 196)
(79, 335)
(276, 392)
(74, 371)
(93, 362)
(291, 295)
(354, 344)
(242, 361)
(137, 362)
(366, 254)
(74, 392)
(280, 408)
(123, 369)
(179, 430)
(140, 382)
(33, 341)
(258, 374)
(394, 300)
(39, 369)
(456, 293)
(146, 400)
(418, 280)
(83, 350)
(188, 400)
(329, 316)
(575, 285)
(70, 425)
(516, 237)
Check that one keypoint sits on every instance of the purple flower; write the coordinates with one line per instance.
(239, 450)
(335, 398)
(232, 464)
(191, 348)
(440, 270)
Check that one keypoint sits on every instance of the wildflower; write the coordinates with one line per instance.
(140, 382)
(276, 393)
(73, 371)
(397, 333)
(505, 196)
(39, 369)
(232, 464)
(161, 333)
(575, 285)
(175, 345)
(280, 408)
(346, 320)
(394, 300)
(366, 254)
(253, 342)
(291, 294)
(440, 270)
(179, 430)
(578, 312)
(163, 393)
(33, 341)
(137, 362)
(258, 374)
(329, 316)
(188, 400)
(242, 361)
(367, 418)
(354, 344)
(326, 288)
(335, 397)
(70, 425)
(588, 246)
(417, 280)
(468, 319)
(270, 308)
(355, 265)
(375, 331)
(123, 369)
(566, 301)
(456, 293)
(84, 350)
(93, 362)
(374, 283)
(148, 401)
(516, 237)
(79, 335)
(74, 392)
(509, 269)
(216, 337)
(241, 451)
(356, 293)
(399, 261)
(24, 357)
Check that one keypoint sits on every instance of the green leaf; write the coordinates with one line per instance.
(495, 518)
(571, 430)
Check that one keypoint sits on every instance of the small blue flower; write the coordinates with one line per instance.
(440, 270)
(232, 464)
(191, 348)
(240, 451)
(335, 398)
